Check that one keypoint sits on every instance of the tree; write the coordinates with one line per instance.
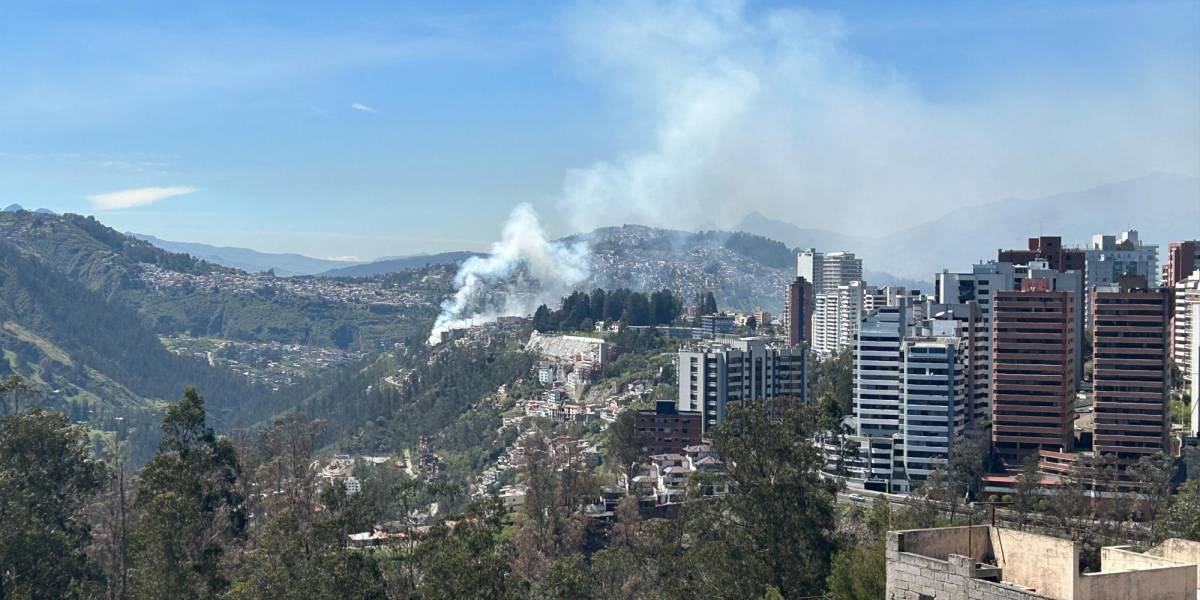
(664, 307)
(543, 320)
(1182, 518)
(190, 508)
(859, 573)
(776, 526)
(467, 561)
(834, 381)
(291, 565)
(47, 478)
(706, 304)
(567, 579)
(623, 445)
(637, 311)
(1027, 488)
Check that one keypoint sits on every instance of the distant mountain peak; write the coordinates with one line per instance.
(14, 207)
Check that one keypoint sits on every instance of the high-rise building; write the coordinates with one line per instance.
(1182, 259)
(1129, 371)
(1186, 294)
(911, 393)
(798, 312)
(836, 315)
(933, 400)
(1195, 344)
(1045, 248)
(810, 265)
(978, 287)
(876, 390)
(1033, 369)
(1111, 256)
(888, 295)
(715, 376)
(841, 268)
(828, 271)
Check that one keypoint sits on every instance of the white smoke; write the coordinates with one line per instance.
(735, 108)
(524, 269)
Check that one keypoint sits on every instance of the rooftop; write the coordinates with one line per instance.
(994, 562)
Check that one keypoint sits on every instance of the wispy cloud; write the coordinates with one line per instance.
(348, 258)
(361, 107)
(136, 197)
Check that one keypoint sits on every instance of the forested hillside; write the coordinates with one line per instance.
(98, 361)
(112, 264)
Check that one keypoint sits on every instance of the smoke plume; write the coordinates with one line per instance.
(523, 270)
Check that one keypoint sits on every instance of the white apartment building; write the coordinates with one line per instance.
(888, 295)
(1187, 296)
(912, 392)
(715, 376)
(933, 404)
(1195, 344)
(1111, 256)
(828, 271)
(836, 315)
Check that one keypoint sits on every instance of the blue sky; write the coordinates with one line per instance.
(391, 128)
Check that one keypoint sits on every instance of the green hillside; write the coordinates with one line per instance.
(97, 361)
(109, 263)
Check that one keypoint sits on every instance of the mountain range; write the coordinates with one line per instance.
(1162, 207)
(251, 261)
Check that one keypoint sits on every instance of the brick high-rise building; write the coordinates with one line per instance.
(667, 430)
(1033, 369)
(1129, 372)
(1046, 248)
(798, 311)
(1182, 259)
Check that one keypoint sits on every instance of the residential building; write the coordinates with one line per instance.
(352, 485)
(1033, 369)
(889, 295)
(911, 394)
(1195, 352)
(715, 376)
(763, 318)
(933, 403)
(984, 562)
(877, 364)
(1129, 371)
(978, 287)
(713, 325)
(828, 271)
(1048, 249)
(836, 315)
(1182, 259)
(1186, 294)
(1110, 256)
(666, 430)
(798, 312)
(810, 265)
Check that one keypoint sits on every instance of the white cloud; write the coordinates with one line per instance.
(740, 109)
(136, 197)
(361, 107)
(347, 258)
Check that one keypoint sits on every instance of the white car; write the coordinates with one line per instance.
(858, 497)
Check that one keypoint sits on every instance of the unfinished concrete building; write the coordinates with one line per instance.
(986, 563)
